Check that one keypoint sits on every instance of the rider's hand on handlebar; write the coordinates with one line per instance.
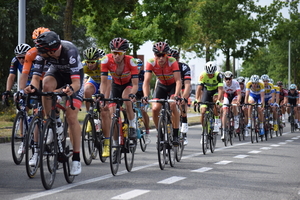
(145, 100)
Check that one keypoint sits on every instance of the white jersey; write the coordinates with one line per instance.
(231, 89)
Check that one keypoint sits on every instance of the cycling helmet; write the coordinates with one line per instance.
(161, 47)
(228, 74)
(241, 79)
(139, 62)
(38, 32)
(254, 78)
(293, 87)
(91, 53)
(211, 67)
(265, 77)
(21, 49)
(101, 52)
(174, 53)
(271, 81)
(47, 41)
(279, 83)
(119, 44)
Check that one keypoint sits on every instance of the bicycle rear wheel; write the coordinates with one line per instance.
(212, 141)
(100, 139)
(204, 139)
(114, 146)
(67, 164)
(161, 143)
(88, 140)
(17, 138)
(48, 155)
(30, 148)
(172, 150)
(142, 128)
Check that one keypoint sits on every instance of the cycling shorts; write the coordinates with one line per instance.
(164, 91)
(93, 83)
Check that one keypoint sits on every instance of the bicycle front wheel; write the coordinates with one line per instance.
(180, 148)
(130, 146)
(213, 141)
(204, 136)
(161, 143)
(17, 139)
(67, 164)
(114, 146)
(48, 155)
(88, 140)
(31, 148)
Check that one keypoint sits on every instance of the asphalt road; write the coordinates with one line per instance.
(263, 170)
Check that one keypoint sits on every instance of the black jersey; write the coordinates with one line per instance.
(185, 72)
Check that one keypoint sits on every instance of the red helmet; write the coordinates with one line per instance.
(119, 44)
(161, 47)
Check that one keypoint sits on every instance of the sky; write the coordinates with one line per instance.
(197, 65)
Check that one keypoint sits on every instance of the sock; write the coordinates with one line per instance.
(184, 119)
(132, 123)
(76, 156)
(175, 132)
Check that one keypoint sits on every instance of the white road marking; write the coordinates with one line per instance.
(289, 140)
(224, 162)
(266, 148)
(131, 194)
(172, 180)
(203, 169)
(295, 138)
(241, 156)
(254, 151)
(282, 143)
(274, 145)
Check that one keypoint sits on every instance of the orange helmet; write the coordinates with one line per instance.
(39, 31)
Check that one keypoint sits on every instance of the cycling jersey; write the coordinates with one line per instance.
(130, 69)
(185, 73)
(283, 93)
(255, 89)
(292, 97)
(210, 83)
(232, 89)
(95, 74)
(164, 74)
(15, 65)
(269, 90)
(29, 60)
(141, 80)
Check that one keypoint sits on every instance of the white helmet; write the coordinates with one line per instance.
(241, 79)
(22, 49)
(254, 79)
(211, 67)
(228, 74)
(265, 77)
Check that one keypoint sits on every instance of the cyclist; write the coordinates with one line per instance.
(65, 68)
(292, 100)
(210, 89)
(167, 72)
(185, 72)
(139, 96)
(255, 93)
(92, 70)
(124, 74)
(282, 94)
(16, 64)
(232, 95)
(29, 59)
(270, 97)
(241, 81)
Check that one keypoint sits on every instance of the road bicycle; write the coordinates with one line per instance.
(141, 129)
(279, 122)
(20, 129)
(208, 137)
(254, 127)
(119, 138)
(229, 125)
(267, 125)
(165, 147)
(242, 125)
(58, 150)
(92, 138)
(180, 147)
(292, 117)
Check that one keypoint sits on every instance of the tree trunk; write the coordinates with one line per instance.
(68, 20)
(227, 66)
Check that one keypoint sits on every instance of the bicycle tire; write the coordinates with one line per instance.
(36, 122)
(114, 146)
(204, 135)
(252, 128)
(101, 146)
(226, 132)
(161, 143)
(212, 141)
(88, 140)
(142, 140)
(17, 138)
(180, 148)
(48, 156)
(130, 146)
(67, 164)
(172, 150)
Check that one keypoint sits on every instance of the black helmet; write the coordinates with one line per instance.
(174, 53)
(119, 44)
(161, 47)
(47, 41)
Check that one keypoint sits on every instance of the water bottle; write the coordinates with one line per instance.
(97, 125)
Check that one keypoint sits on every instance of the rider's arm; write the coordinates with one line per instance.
(262, 98)
(247, 96)
(135, 85)
(178, 83)
(187, 89)
(146, 84)
(10, 81)
(199, 92)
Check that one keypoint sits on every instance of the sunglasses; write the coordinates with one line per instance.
(120, 53)
(21, 57)
(227, 79)
(91, 61)
(160, 55)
